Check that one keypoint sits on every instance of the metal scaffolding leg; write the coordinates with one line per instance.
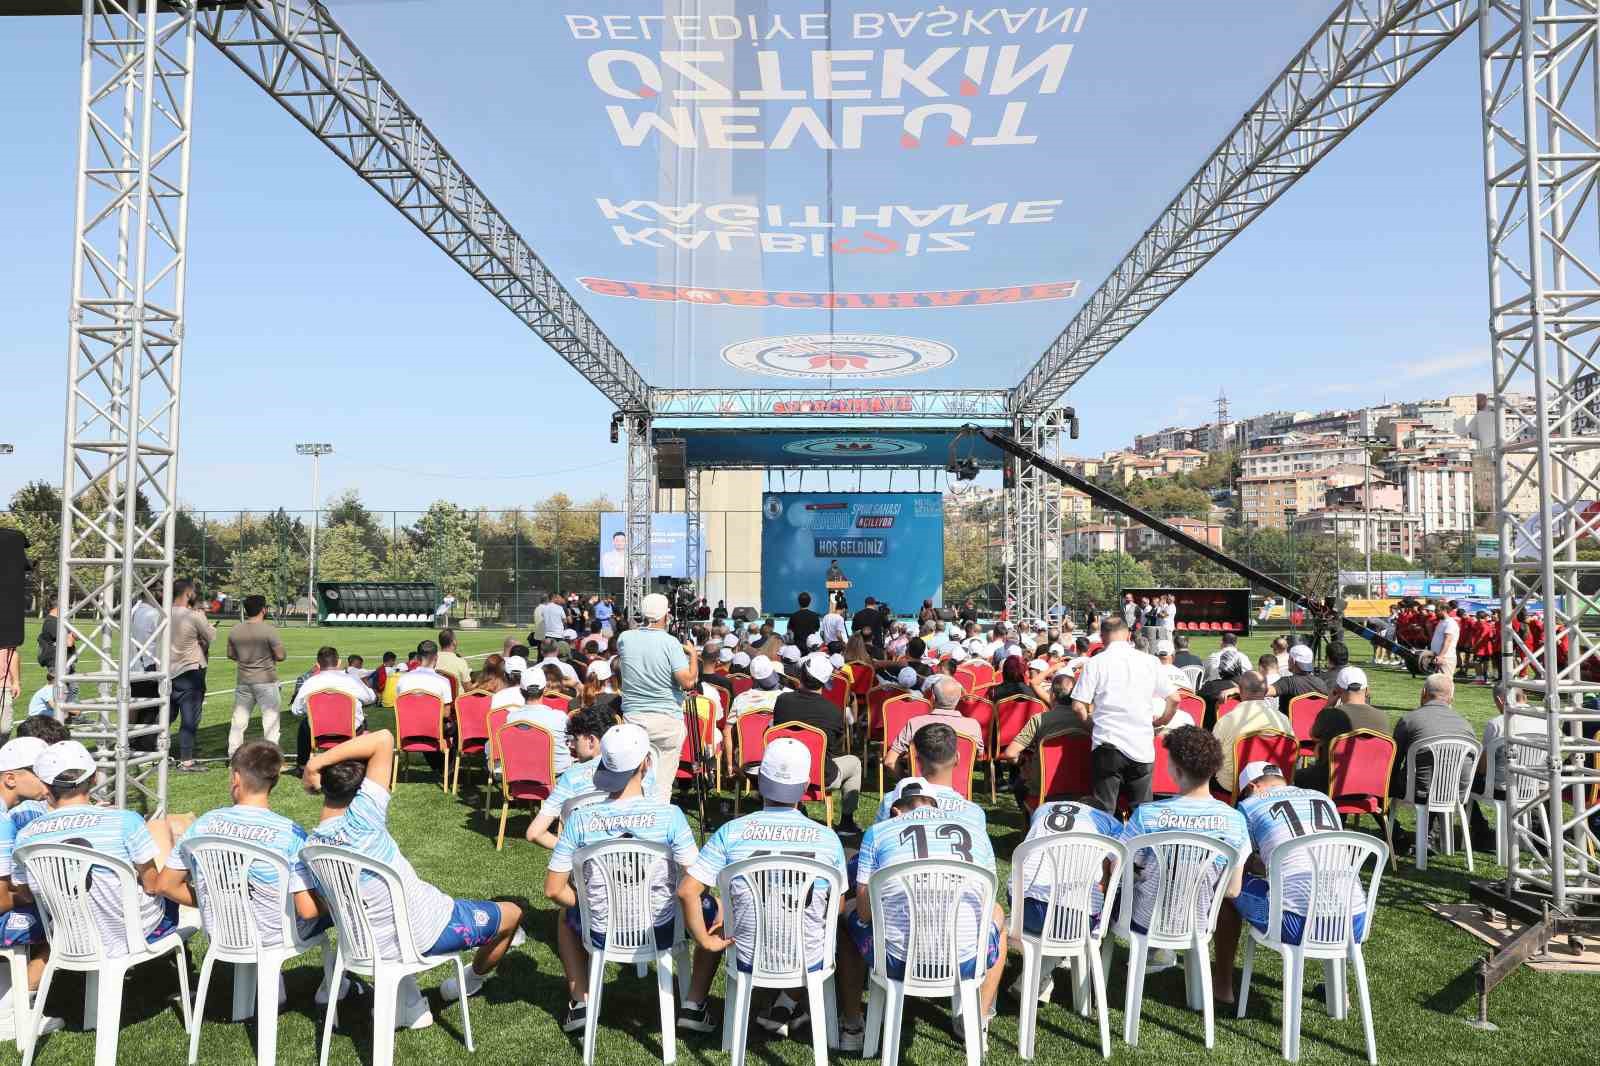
(1025, 581)
(119, 489)
(641, 497)
(691, 507)
(1052, 564)
(1540, 84)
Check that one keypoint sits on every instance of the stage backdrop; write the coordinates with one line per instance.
(890, 545)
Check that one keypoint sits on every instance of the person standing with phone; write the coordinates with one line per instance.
(656, 669)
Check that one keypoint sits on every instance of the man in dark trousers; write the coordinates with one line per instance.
(867, 620)
(809, 705)
(803, 622)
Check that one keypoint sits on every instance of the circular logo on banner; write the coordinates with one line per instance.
(773, 508)
(849, 448)
(844, 355)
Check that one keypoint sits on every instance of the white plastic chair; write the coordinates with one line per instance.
(230, 913)
(1073, 865)
(935, 892)
(582, 799)
(782, 891)
(1455, 761)
(1332, 862)
(628, 870)
(21, 1014)
(1182, 918)
(1525, 751)
(1197, 675)
(340, 873)
(59, 875)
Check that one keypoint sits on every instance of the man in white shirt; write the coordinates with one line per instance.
(328, 678)
(833, 627)
(550, 618)
(1120, 686)
(1445, 636)
(425, 678)
(551, 658)
(523, 706)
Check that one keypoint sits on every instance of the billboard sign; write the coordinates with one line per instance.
(669, 545)
(1439, 587)
(888, 545)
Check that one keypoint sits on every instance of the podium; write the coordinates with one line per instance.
(837, 586)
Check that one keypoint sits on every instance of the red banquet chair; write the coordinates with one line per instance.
(1162, 784)
(1224, 706)
(419, 719)
(837, 691)
(472, 729)
(528, 765)
(749, 744)
(978, 708)
(898, 710)
(741, 683)
(985, 676)
(816, 742)
(966, 761)
(861, 677)
(1270, 745)
(560, 703)
(1065, 768)
(331, 717)
(497, 721)
(1194, 705)
(967, 674)
(1010, 715)
(1359, 765)
(1303, 711)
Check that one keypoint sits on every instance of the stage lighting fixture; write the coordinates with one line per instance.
(964, 469)
(616, 426)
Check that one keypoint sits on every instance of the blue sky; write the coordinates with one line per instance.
(316, 312)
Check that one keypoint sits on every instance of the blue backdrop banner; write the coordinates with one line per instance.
(889, 545)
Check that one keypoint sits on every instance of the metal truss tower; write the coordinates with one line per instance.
(1052, 552)
(692, 536)
(119, 491)
(639, 501)
(1541, 112)
(1025, 575)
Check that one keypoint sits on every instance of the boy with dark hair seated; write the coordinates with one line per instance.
(353, 779)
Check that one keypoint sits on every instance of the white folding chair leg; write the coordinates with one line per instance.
(1028, 1011)
(1294, 977)
(36, 1016)
(244, 992)
(385, 1007)
(200, 1005)
(1422, 836)
(874, 1025)
(1098, 974)
(894, 1013)
(20, 1014)
(830, 1003)
(1138, 959)
(972, 1023)
(1466, 835)
(1502, 813)
(108, 1017)
(1082, 1000)
(466, 1014)
(669, 1008)
(730, 1016)
(1359, 963)
(591, 1014)
(1203, 965)
(738, 992)
(1191, 979)
(333, 1005)
(819, 1015)
(1249, 969)
(266, 1011)
(1333, 988)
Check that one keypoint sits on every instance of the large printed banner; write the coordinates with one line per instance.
(789, 180)
(888, 545)
(669, 544)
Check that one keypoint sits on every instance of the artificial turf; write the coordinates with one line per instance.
(1420, 968)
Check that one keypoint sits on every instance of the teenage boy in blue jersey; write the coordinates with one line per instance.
(353, 779)
(945, 829)
(583, 732)
(19, 922)
(627, 813)
(1276, 812)
(779, 828)
(1061, 818)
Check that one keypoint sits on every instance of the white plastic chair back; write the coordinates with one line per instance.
(340, 873)
(627, 869)
(219, 869)
(1197, 675)
(1454, 762)
(60, 875)
(936, 892)
(1073, 865)
(783, 890)
(1334, 863)
(583, 799)
(1186, 900)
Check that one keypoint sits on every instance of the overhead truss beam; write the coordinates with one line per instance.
(1358, 58)
(866, 404)
(295, 51)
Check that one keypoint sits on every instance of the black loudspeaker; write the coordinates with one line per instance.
(13, 586)
(745, 614)
(947, 614)
(670, 472)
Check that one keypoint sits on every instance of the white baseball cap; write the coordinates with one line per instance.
(1350, 678)
(912, 785)
(818, 666)
(533, 678)
(1039, 664)
(600, 670)
(1301, 654)
(623, 749)
(958, 653)
(1164, 647)
(654, 607)
(785, 771)
(761, 668)
(570, 634)
(21, 753)
(836, 661)
(741, 659)
(66, 763)
(789, 653)
(907, 677)
(813, 640)
(726, 655)
(1255, 771)
(506, 697)
(1057, 650)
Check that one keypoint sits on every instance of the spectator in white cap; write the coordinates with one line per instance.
(656, 669)
(626, 757)
(1348, 709)
(946, 694)
(1299, 680)
(1276, 812)
(1256, 713)
(784, 774)
(1231, 665)
(740, 663)
(600, 688)
(1164, 652)
(584, 731)
(553, 657)
(1230, 643)
(328, 677)
(760, 698)
(20, 926)
(813, 642)
(842, 771)
(527, 706)
(68, 771)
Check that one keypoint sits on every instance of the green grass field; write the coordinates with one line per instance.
(1419, 967)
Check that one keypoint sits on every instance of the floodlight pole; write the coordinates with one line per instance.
(316, 451)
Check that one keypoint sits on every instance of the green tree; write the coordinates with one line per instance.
(440, 547)
(970, 567)
(342, 554)
(346, 509)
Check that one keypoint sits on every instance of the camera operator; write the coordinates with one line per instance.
(655, 669)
